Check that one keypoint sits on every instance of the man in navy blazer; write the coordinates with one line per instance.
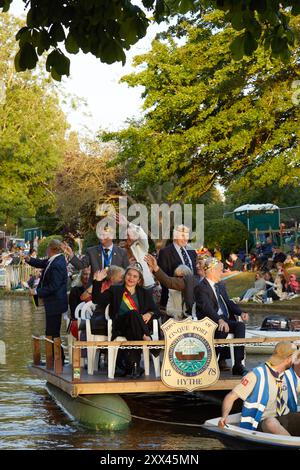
(52, 288)
(170, 257)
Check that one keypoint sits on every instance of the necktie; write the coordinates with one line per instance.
(280, 403)
(185, 258)
(106, 258)
(221, 301)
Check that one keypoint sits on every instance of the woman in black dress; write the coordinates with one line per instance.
(131, 308)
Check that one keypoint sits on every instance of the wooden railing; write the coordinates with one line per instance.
(17, 274)
(54, 356)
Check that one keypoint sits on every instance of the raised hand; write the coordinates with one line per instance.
(152, 263)
(67, 249)
(100, 275)
(120, 218)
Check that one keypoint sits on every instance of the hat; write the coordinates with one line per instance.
(282, 351)
(210, 263)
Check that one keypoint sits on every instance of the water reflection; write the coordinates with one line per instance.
(30, 419)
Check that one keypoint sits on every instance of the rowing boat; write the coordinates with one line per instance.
(233, 430)
(267, 348)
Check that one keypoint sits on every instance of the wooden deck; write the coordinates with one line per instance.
(100, 384)
(64, 377)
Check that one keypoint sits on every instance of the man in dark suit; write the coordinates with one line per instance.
(52, 288)
(212, 301)
(100, 256)
(173, 255)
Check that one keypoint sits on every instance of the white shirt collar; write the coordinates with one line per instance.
(109, 248)
(53, 257)
(211, 283)
(178, 248)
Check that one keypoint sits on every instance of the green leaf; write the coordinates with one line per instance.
(259, 5)
(185, 6)
(57, 32)
(237, 20)
(59, 62)
(21, 32)
(55, 75)
(17, 62)
(237, 47)
(5, 5)
(43, 42)
(28, 57)
(296, 9)
(71, 44)
(250, 44)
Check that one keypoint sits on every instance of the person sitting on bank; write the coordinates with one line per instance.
(236, 264)
(183, 281)
(259, 286)
(131, 308)
(269, 393)
(212, 301)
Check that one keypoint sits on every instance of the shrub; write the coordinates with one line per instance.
(45, 242)
(229, 234)
(90, 239)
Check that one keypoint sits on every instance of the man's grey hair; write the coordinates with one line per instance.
(182, 270)
(55, 245)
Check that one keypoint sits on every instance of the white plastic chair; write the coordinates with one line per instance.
(113, 352)
(146, 353)
(92, 353)
(231, 346)
(70, 339)
(77, 315)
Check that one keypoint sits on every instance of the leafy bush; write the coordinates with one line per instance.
(90, 239)
(227, 233)
(45, 242)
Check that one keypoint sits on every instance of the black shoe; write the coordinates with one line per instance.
(239, 370)
(136, 371)
(223, 365)
(120, 372)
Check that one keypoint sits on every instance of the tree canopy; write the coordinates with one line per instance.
(85, 179)
(210, 119)
(32, 133)
(107, 28)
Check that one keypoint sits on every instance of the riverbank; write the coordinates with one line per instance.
(12, 293)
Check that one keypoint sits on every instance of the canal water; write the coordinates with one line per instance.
(30, 419)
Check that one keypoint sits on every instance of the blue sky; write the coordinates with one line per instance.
(109, 103)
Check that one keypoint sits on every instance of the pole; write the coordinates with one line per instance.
(36, 352)
(49, 353)
(57, 356)
(76, 363)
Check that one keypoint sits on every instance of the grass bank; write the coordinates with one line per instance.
(243, 281)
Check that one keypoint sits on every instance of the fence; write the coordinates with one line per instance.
(15, 275)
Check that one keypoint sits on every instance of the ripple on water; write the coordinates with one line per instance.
(30, 419)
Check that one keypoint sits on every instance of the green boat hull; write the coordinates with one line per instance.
(107, 412)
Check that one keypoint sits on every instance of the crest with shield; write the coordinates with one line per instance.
(190, 360)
